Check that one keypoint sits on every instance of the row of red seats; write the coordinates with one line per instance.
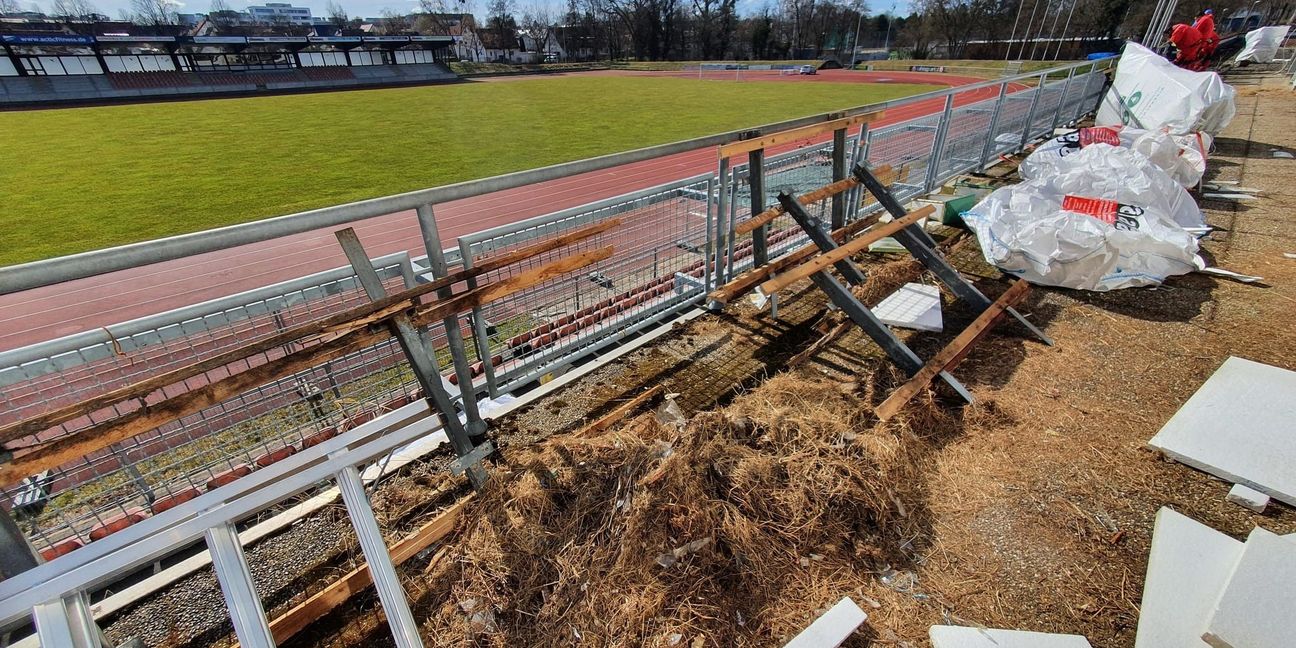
(110, 525)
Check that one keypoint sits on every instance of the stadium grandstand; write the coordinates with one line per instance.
(39, 68)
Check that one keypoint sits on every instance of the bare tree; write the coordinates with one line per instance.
(9, 6)
(221, 15)
(538, 25)
(337, 16)
(74, 9)
(394, 23)
(154, 12)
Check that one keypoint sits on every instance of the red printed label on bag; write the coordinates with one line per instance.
(1099, 135)
(1118, 215)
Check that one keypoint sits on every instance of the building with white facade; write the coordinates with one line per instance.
(279, 13)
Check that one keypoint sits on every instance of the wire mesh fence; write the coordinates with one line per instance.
(664, 260)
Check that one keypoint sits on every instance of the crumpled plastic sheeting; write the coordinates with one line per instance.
(1262, 44)
(1181, 156)
(1024, 230)
(1151, 92)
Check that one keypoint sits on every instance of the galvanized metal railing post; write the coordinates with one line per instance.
(250, 625)
(1057, 114)
(989, 146)
(66, 622)
(454, 336)
(708, 249)
(386, 582)
(1030, 116)
(857, 157)
(481, 333)
(838, 174)
(938, 145)
(421, 361)
(722, 207)
(732, 233)
(756, 185)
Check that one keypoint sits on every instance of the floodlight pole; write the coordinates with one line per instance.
(1008, 50)
(859, 22)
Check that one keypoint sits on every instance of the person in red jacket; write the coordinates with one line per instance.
(1205, 25)
(1188, 43)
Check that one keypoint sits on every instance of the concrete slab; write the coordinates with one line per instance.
(830, 630)
(1247, 497)
(1188, 566)
(1257, 608)
(965, 637)
(914, 306)
(1239, 426)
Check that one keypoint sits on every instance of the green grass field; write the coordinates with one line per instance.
(86, 178)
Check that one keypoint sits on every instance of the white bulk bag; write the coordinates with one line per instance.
(1262, 44)
(1179, 156)
(1150, 92)
(1126, 176)
(1075, 241)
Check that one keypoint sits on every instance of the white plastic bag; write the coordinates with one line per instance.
(1076, 241)
(1180, 156)
(1125, 176)
(1262, 44)
(1150, 92)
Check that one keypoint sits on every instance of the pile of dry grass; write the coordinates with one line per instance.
(734, 529)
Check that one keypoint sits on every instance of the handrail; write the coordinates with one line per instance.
(47, 272)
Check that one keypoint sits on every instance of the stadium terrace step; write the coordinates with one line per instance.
(175, 499)
(117, 523)
(61, 549)
(228, 476)
(272, 457)
(318, 438)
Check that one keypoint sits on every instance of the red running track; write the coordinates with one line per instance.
(50, 312)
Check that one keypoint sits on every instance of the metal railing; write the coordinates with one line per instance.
(214, 469)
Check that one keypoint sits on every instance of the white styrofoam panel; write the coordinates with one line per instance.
(1248, 497)
(914, 306)
(1239, 426)
(1257, 608)
(965, 637)
(831, 629)
(1188, 566)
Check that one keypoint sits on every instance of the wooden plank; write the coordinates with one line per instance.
(885, 174)
(792, 135)
(96, 437)
(607, 420)
(749, 279)
(854, 246)
(343, 322)
(307, 612)
(438, 311)
(953, 352)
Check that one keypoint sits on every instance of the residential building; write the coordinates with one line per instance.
(272, 13)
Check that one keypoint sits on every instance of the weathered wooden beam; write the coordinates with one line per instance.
(845, 251)
(792, 135)
(608, 420)
(467, 301)
(884, 173)
(96, 437)
(954, 352)
(343, 322)
(753, 277)
(357, 580)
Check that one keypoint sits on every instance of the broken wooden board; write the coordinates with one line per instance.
(845, 251)
(1188, 566)
(885, 174)
(1240, 426)
(966, 637)
(358, 579)
(795, 134)
(1257, 607)
(954, 352)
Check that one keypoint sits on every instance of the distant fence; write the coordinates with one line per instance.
(674, 243)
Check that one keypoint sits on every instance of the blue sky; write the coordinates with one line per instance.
(376, 7)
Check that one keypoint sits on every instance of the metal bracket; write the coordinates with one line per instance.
(474, 458)
(921, 246)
